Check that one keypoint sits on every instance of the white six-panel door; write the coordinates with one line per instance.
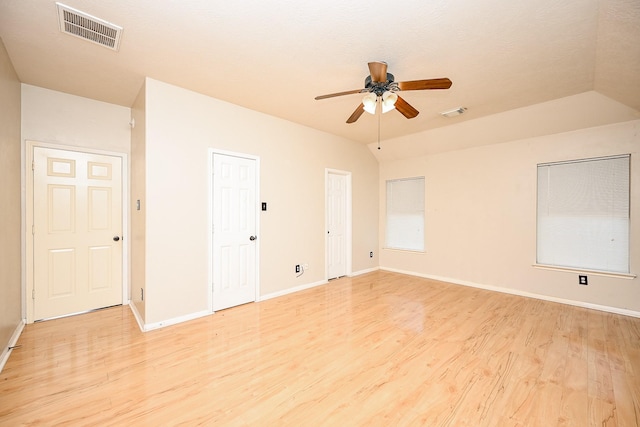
(234, 221)
(77, 232)
(336, 225)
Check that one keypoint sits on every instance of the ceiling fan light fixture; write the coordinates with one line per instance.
(389, 101)
(370, 101)
(380, 85)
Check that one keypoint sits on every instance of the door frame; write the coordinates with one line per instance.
(348, 221)
(28, 216)
(211, 152)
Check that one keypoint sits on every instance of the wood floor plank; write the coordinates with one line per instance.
(574, 408)
(627, 400)
(381, 349)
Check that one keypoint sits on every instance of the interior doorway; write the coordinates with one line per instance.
(338, 223)
(75, 231)
(234, 229)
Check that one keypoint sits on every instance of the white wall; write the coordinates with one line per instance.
(181, 126)
(481, 214)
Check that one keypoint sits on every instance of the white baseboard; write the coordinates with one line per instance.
(360, 272)
(292, 290)
(310, 285)
(151, 326)
(146, 327)
(605, 308)
(176, 320)
(6, 351)
(136, 314)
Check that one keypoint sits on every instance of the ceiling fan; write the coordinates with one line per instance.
(380, 85)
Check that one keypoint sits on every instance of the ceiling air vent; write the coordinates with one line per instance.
(88, 27)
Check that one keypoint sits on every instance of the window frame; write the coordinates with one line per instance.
(587, 269)
(421, 223)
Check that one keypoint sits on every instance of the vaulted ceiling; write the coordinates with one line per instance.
(276, 56)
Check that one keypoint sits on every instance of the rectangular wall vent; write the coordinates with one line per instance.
(85, 26)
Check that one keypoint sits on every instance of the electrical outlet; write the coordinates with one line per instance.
(582, 280)
(297, 268)
(371, 254)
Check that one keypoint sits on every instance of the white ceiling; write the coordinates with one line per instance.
(276, 56)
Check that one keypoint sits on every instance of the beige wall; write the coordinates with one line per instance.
(10, 212)
(56, 117)
(138, 185)
(481, 213)
(169, 144)
(181, 126)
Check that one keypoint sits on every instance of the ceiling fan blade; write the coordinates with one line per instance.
(378, 71)
(443, 83)
(406, 109)
(356, 114)
(331, 95)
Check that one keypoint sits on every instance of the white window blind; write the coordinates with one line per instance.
(583, 214)
(405, 214)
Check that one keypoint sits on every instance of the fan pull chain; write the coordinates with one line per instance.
(379, 110)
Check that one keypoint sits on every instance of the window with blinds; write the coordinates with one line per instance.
(405, 214)
(583, 214)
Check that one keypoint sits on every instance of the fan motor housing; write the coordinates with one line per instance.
(378, 87)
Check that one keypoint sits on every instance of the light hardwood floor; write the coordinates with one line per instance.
(381, 349)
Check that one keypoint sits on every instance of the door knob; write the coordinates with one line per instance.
(116, 238)
(252, 238)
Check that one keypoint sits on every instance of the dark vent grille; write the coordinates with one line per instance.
(87, 27)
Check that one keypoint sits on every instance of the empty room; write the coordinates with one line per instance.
(335, 214)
